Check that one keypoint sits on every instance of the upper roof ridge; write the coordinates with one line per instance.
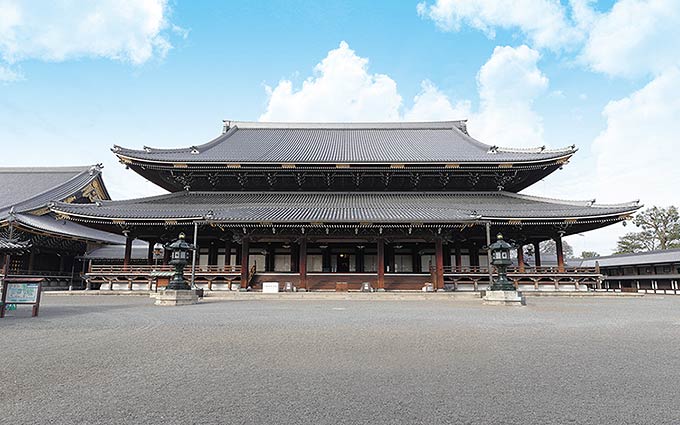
(386, 125)
(58, 169)
(537, 149)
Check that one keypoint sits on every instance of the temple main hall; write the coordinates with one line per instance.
(400, 206)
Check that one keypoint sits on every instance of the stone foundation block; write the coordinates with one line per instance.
(172, 298)
(509, 298)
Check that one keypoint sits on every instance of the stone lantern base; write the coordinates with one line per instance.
(510, 298)
(174, 297)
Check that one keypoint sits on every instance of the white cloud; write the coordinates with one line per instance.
(544, 22)
(640, 138)
(341, 90)
(129, 30)
(7, 74)
(433, 105)
(635, 38)
(509, 82)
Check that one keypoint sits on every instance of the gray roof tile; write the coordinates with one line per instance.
(652, 257)
(47, 223)
(434, 142)
(29, 188)
(304, 207)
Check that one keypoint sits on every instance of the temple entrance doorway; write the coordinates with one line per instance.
(343, 263)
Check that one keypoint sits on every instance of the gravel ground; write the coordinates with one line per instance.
(109, 359)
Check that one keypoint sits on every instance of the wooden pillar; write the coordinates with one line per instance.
(439, 259)
(381, 264)
(212, 254)
(149, 253)
(271, 258)
(359, 255)
(447, 255)
(237, 250)
(302, 264)
(459, 258)
(128, 250)
(389, 258)
(537, 254)
(520, 258)
(62, 261)
(31, 261)
(560, 254)
(227, 252)
(166, 256)
(295, 258)
(474, 255)
(415, 259)
(326, 259)
(245, 251)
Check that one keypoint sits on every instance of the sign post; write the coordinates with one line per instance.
(21, 291)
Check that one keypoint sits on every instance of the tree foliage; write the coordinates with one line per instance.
(549, 248)
(589, 254)
(660, 229)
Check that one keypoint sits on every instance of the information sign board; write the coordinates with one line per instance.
(20, 291)
(270, 287)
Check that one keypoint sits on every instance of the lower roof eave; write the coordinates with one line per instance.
(349, 224)
(86, 235)
(219, 165)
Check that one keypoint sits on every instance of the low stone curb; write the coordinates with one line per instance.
(354, 296)
(95, 293)
(583, 294)
(321, 295)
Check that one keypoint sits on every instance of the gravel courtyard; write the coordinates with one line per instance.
(109, 359)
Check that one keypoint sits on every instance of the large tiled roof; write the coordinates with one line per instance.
(28, 188)
(48, 224)
(373, 207)
(652, 257)
(140, 251)
(327, 143)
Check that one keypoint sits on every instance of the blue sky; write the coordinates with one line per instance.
(74, 80)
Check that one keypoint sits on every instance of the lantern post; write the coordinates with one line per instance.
(178, 291)
(500, 258)
(501, 290)
(180, 253)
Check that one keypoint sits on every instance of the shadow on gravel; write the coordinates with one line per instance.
(60, 311)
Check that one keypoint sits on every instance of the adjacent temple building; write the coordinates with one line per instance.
(37, 242)
(397, 205)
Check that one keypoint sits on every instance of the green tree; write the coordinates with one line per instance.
(660, 229)
(589, 254)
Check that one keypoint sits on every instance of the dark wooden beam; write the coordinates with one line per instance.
(381, 264)
(245, 251)
(227, 252)
(212, 253)
(415, 259)
(439, 259)
(537, 254)
(560, 254)
(128, 250)
(302, 265)
(149, 253)
(520, 257)
(459, 257)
